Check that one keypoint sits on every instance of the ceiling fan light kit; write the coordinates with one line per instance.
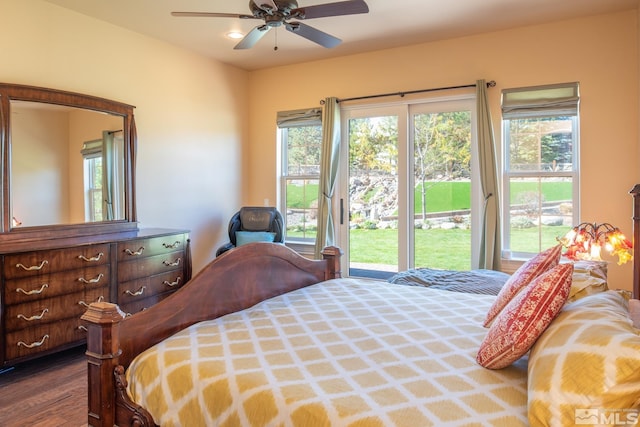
(276, 13)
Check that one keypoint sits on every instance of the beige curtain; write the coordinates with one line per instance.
(328, 173)
(489, 254)
(108, 176)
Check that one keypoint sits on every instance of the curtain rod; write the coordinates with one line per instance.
(491, 83)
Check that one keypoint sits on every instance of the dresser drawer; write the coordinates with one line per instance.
(32, 314)
(29, 289)
(141, 248)
(150, 266)
(31, 341)
(43, 262)
(136, 290)
(143, 304)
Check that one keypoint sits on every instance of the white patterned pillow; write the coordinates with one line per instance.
(634, 310)
(589, 277)
(586, 364)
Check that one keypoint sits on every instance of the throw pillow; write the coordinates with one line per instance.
(589, 277)
(521, 278)
(523, 320)
(634, 311)
(585, 368)
(244, 237)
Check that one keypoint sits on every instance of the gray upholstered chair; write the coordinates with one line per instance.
(254, 224)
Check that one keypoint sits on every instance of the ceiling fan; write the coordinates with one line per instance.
(276, 13)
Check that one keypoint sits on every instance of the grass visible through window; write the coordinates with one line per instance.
(379, 246)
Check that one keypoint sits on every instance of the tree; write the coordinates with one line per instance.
(373, 144)
(442, 149)
(304, 145)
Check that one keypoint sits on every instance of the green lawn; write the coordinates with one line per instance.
(441, 196)
(437, 248)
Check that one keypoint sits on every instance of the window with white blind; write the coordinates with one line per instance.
(541, 167)
(300, 134)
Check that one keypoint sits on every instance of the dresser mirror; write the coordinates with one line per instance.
(67, 163)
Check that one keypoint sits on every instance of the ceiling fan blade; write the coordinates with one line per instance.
(351, 7)
(313, 34)
(213, 15)
(253, 37)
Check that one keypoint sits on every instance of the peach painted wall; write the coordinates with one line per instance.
(39, 168)
(600, 52)
(190, 110)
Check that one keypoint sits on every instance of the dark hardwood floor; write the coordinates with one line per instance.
(51, 391)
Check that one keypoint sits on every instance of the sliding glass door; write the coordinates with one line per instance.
(406, 187)
(371, 203)
(441, 186)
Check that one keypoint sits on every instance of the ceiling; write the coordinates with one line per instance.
(389, 23)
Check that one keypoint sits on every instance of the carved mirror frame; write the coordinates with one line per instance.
(14, 92)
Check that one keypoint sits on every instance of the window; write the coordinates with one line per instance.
(541, 171)
(92, 158)
(103, 162)
(300, 133)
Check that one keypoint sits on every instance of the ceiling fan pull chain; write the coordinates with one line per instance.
(276, 42)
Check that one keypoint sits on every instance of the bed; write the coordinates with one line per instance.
(277, 339)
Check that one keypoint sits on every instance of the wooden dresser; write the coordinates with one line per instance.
(48, 284)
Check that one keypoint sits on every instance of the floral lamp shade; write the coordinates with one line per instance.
(586, 241)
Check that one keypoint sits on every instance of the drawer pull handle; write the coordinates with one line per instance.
(136, 253)
(35, 317)
(84, 304)
(33, 267)
(82, 328)
(94, 280)
(34, 291)
(92, 259)
(136, 293)
(131, 314)
(172, 264)
(34, 344)
(172, 284)
(172, 245)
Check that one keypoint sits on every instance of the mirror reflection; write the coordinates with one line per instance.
(66, 165)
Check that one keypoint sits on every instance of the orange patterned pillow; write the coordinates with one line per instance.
(521, 278)
(525, 318)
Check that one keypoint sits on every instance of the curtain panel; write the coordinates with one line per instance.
(328, 173)
(489, 254)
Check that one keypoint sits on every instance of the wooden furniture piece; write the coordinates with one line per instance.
(68, 225)
(47, 129)
(236, 280)
(47, 285)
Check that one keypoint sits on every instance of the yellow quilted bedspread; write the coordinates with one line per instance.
(345, 352)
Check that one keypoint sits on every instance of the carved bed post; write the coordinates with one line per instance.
(102, 321)
(635, 192)
(332, 255)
